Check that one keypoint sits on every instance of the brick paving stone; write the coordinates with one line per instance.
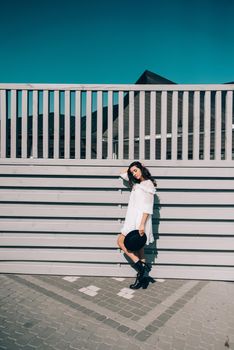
(111, 323)
(131, 332)
(143, 335)
(195, 317)
(123, 328)
(151, 328)
(125, 313)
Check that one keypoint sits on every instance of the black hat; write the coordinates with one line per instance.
(134, 241)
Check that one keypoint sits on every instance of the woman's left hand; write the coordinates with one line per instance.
(141, 230)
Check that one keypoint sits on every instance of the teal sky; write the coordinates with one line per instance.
(106, 41)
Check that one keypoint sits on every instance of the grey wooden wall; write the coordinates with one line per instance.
(58, 219)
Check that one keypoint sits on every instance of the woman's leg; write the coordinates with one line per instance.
(131, 255)
(141, 254)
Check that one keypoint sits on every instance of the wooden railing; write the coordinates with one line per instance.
(151, 122)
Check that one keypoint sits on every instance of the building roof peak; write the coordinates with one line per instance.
(149, 77)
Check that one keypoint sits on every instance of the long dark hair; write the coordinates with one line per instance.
(145, 174)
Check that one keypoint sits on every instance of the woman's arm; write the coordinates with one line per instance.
(124, 174)
(142, 224)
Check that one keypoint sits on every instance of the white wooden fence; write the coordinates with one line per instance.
(156, 122)
(62, 202)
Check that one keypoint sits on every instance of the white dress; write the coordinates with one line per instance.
(141, 201)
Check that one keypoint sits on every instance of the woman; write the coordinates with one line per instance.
(139, 215)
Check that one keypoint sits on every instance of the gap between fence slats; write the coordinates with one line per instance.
(35, 125)
(110, 125)
(131, 125)
(99, 124)
(13, 125)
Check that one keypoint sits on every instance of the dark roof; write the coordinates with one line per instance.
(151, 78)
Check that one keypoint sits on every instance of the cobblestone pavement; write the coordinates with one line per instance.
(97, 313)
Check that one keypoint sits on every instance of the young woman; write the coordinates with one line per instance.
(139, 214)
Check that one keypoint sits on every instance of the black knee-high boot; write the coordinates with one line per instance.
(139, 266)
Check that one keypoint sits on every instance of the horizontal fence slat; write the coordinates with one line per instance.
(115, 256)
(92, 211)
(121, 87)
(159, 271)
(209, 184)
(114, 226)
(116, 162)
(157, 171)
(114, 197)
(110, 241)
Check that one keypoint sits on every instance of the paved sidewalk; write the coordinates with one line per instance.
(97, 313)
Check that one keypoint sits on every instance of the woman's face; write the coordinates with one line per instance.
(136, 172)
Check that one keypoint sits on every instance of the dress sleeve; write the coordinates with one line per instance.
(147, 196)
(124, 176)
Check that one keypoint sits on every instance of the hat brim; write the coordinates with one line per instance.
(134, 241)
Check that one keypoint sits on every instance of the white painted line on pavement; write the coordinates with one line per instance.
(70, 278)
(90, 290)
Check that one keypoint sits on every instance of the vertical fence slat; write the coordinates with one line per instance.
(152, 124)
(218, 125)
(13, 124)
(88, 124)
(196, 125)
(77, 124)
(142, 126)
(45, 124)
(131, 125)
(110, 125)
(164, 126)
(24, 128)
(228, 126)
(67, 126)
(174, 127)
(3, 123)
(56, 124)
(207, 126)
(35, 125)
(121, 125)
(99, 124)
(185, 125)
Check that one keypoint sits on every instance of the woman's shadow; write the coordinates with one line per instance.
(151, 250)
